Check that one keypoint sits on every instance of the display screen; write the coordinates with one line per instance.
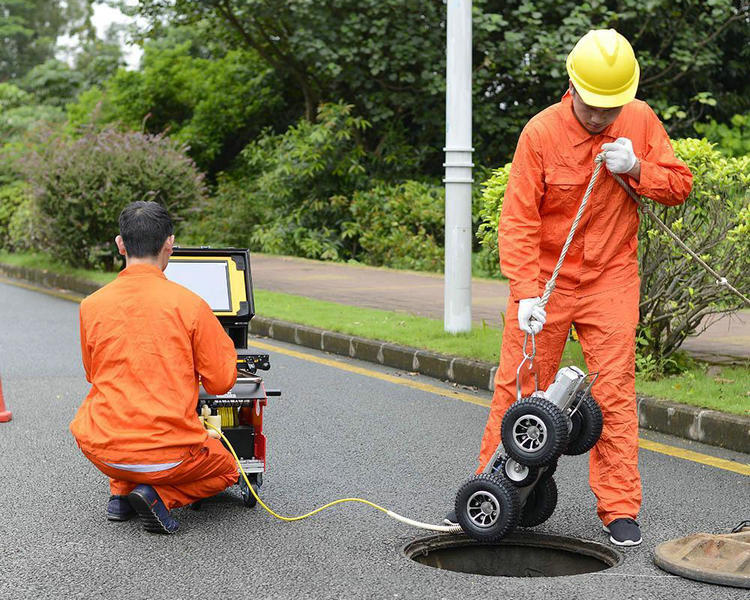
(207, 278)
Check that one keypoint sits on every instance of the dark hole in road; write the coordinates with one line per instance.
(521, 554)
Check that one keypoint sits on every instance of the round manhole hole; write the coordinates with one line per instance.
(517, 555)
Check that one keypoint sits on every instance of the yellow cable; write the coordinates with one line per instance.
(278, 516)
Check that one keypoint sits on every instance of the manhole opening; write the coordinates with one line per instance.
(518, 555)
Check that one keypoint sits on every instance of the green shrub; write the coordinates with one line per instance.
(26, 229)
(301, 181)
(677, 295)
(733, 139)
(12, 196)
(225, 219)
(80, 187)
(16, 122)
(92, 108)
(490, 205)
(11, 96)
(400, 226)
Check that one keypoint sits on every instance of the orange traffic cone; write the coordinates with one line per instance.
(5, 415)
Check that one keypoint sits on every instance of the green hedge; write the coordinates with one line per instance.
(12, 196)
(80, 186)
(400, 226)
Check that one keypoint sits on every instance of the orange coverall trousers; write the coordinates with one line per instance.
(606, 324)
(203, 473)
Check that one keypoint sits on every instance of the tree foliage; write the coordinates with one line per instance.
(387, 59)
(301, 181)
(215, 104)
(733, 138)
(20, 114)
(29, 31)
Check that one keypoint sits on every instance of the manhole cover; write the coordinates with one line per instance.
(521, 554)
(714, 558)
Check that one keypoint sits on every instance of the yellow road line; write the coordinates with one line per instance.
(64, 295)
(690, 455)
(704, 459)
(337, 364)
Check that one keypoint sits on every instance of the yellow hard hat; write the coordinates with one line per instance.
(603, 69)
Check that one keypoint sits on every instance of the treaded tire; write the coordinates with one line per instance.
(549, 471)
(248, 499)
(487, 491)
(540, 503)
(534, 432)
(587, 426)
(518, 479)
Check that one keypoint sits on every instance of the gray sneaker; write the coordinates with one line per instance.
(624, 532)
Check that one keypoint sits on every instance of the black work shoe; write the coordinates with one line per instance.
(624, 532)
(152, 511)
(119, 509)
(451, 518)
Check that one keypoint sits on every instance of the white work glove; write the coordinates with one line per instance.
(619, 155)
(529, 308)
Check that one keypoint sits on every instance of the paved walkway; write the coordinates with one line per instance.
(422, 294)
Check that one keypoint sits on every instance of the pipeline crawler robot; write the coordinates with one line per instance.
(517, 487)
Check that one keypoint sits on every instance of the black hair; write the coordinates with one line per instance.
(144, 227)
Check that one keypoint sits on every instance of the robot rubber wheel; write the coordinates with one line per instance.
(487, 507)
(587, 426)
(247, 497)
(519, 475)
(534, 432)
(540, 503)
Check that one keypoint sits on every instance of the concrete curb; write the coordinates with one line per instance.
(692, 423)
(689, 422)
(50, 279)
(448, 368)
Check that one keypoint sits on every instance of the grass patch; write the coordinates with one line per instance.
(717, 388)
(38, 260)
(712, 387)
(401, 328)
(482, 343)
(697, 387)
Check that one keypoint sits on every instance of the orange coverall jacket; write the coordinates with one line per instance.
(552, 166)
(598, 285)
(144, 341)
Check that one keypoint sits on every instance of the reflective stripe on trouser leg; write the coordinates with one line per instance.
(209, 470)
(549, 347)
(606, 326)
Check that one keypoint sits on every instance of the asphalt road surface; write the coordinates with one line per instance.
(336, 432)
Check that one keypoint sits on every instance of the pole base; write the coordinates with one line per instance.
(5, 416)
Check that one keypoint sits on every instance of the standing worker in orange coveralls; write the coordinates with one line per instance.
(145, 341)
(598, 285)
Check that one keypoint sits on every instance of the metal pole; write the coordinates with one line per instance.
(458, 165)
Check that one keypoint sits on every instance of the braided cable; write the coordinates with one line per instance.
(646, 209)
(550, 286)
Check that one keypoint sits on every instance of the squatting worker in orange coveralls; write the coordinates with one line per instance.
(145, 342)
(598, 285)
